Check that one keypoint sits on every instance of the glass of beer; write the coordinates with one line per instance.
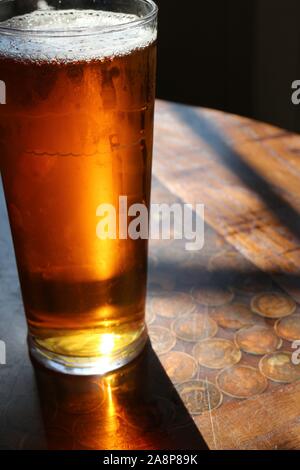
(76, 134)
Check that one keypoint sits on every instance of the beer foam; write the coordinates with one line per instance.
(73, 35)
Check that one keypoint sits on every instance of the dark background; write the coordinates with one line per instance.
(239, 56)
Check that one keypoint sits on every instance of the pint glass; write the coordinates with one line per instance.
(76, 134)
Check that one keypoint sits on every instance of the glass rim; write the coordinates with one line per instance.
(85, 30)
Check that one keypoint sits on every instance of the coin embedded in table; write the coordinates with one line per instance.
(241, 381)
(199, 396)
(150, 315)
(279, 367)
(93, 428)
(216, 353)
(257, 339)
(159, 282)
(179, 366)
(252, 284)
(273, 305)
(162, 339)
(195, 327)
(148, 415)
(173, 305)
(234, 316)
(85, 398)
(288, 328)
(213, 296)
(230, 261)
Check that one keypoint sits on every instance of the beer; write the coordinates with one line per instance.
(76, 132)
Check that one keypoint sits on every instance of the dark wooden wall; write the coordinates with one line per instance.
(238, 56)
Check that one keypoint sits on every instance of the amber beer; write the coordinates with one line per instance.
(76, 133)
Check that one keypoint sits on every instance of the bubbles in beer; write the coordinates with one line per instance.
(67, 19)
(83, 35)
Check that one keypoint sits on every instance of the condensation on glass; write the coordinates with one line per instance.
(76, 132)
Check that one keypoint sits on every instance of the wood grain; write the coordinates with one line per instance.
(246, 173)
(268, 422)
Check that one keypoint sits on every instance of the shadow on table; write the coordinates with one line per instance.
(230, 158)
(135, 407)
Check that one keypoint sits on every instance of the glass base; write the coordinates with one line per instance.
(99, 365)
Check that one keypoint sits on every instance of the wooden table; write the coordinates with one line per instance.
(248, 176)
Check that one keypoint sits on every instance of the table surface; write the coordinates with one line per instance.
(247, 175)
